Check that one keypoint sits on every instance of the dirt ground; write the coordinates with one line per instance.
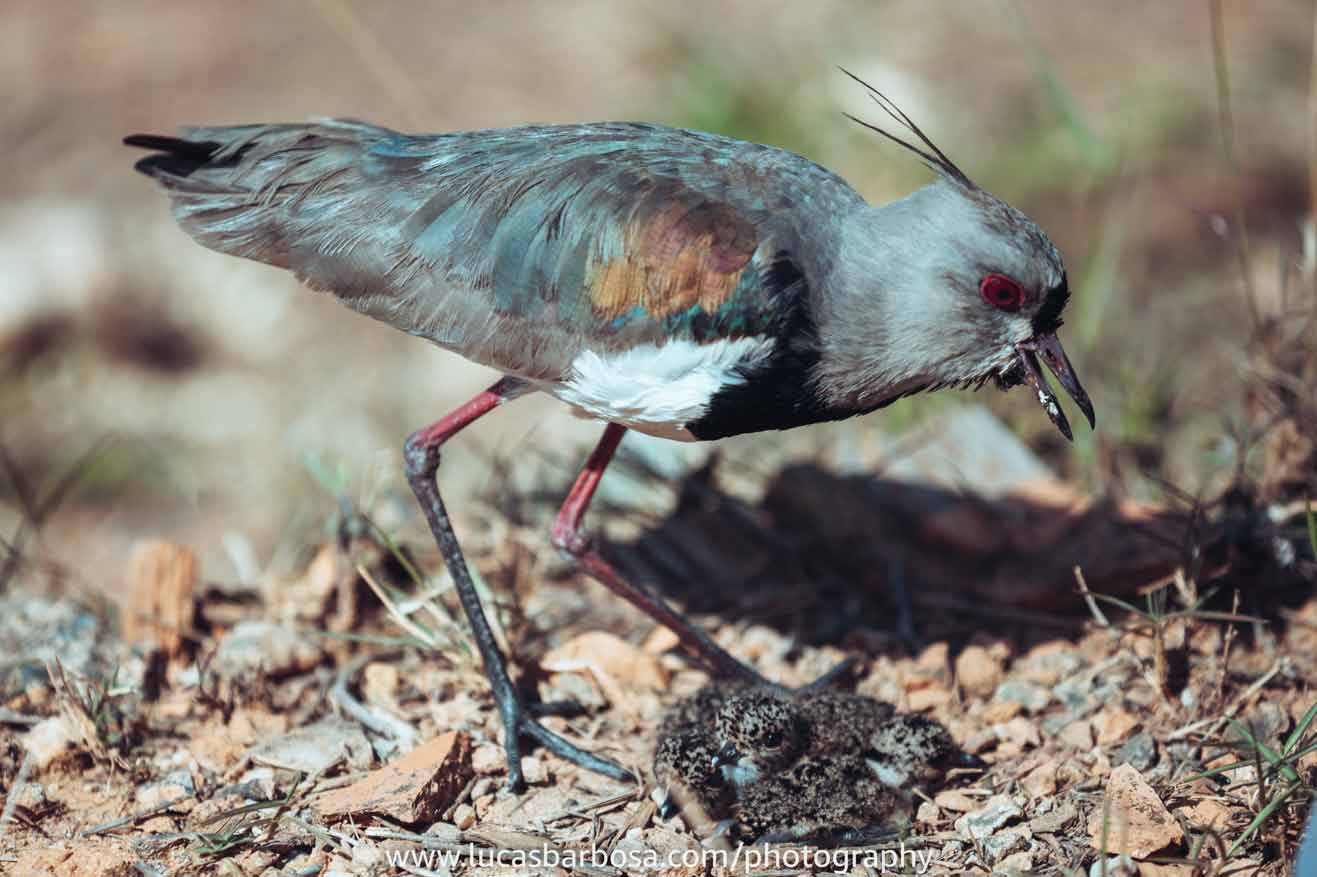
(227, 645)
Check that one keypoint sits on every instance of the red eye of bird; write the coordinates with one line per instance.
(1002, 292)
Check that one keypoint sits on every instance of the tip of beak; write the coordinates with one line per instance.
(1086, 406)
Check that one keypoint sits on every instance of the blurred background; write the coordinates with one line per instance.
(149, 387)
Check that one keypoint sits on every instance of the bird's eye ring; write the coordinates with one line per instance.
(1001, 292)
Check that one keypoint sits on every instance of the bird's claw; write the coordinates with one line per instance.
(519, 723)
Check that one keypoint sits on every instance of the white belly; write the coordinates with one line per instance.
(657, 389)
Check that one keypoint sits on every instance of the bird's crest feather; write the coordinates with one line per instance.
(929, 152)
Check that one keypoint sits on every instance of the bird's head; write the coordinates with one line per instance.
(757, 731)
(948, 287)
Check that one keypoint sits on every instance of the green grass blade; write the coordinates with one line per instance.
(1265, 751)
(1301, 728)
(1263, 815)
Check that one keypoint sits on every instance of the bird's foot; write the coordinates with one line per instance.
(519, 722)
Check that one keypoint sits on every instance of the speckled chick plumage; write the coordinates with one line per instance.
(808, 765)
(820, 798)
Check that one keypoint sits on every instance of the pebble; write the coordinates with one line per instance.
(1003, 843)
(464, 816)
(172, 787)
(978, 670)
(264, 646)
(983, 822)
(534, 770)
(1055, 821)
(1138, 823)
(488, 759)
(1015, 863)
(1034, 698)
(1139, 751)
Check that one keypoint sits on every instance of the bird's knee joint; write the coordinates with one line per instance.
(419, 457)
(570, 541)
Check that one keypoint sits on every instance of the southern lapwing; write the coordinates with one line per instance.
(673, 282)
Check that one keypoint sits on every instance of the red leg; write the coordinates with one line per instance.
(421, 456)
(568, 536)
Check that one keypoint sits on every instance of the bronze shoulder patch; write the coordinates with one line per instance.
(687, 251)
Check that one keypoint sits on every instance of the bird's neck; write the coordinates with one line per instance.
(871, 316)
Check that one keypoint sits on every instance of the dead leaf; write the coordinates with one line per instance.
(615, 664)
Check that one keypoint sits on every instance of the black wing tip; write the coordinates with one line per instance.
(173, 155)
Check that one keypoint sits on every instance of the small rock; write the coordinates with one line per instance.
(928, 813)
(1034, 698)
(445, 832)
(956, 801)
(1139, 751)
(933, 662)
(996, 712)
(1139, 823)
(314, 748)
(1041, 781)
(176, 787)
(379, 684)
(266, 647)
(924, 699)
(257, 784)
(983, 822)
(660, 640)
(488, 759)
(1073, 694)
(1012, 840)
(1113, 724)
(47, 740)
(1048, 664)
(1078, 734)
(416, 788)
(464, 816)
(1015, 863)
(42, 630)
(978, 671)
(1209, 813)
(1114, 866)
(1019, 731)
(366, 856)
(534, 770)
(1055, 821)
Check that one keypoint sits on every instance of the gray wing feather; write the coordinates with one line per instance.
(515, 247)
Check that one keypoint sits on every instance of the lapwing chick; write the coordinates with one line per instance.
(822, 799)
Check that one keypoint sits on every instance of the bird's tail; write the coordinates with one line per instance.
(267, 192)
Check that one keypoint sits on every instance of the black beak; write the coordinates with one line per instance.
(1048, 346)
(728, 754)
